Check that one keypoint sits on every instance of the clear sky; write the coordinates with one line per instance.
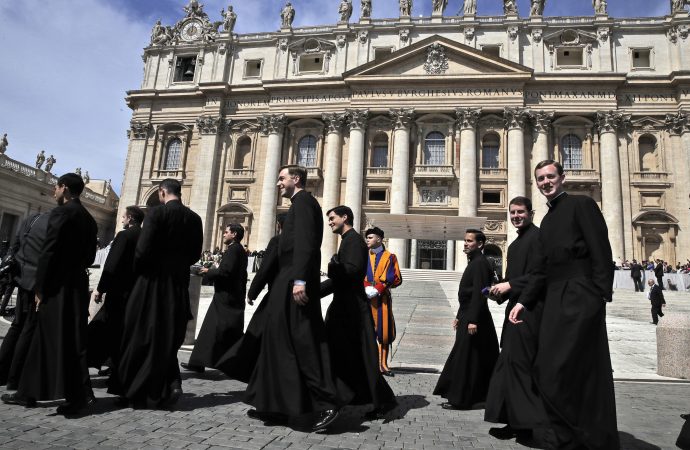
(67, 64)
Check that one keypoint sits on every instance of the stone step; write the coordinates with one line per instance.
(430, 275)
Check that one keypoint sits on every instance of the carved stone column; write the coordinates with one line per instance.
(332, 159)
(540, 151)
(401, 174)
(450, 255)
(611, 190)
(413, 254)
(515, 121)
(467, 119)
(679, 130)
(357, 122)
(138, 134)
(206, 173)
(272, 125)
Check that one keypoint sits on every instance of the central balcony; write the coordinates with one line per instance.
(428, 174)
(650, 179)
(239, 175)
(379, 173)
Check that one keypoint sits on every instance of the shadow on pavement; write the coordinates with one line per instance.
(630, 442)
(191, 402)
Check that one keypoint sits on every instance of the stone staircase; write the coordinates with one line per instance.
(430, 275)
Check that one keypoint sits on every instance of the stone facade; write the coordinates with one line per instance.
(436, 115)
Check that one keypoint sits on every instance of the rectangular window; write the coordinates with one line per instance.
(570, 57)
(310, 63)
(377, 195)
(642, 58)
(491, 197)
(184, 69)
(493, 50)
(382, 52)
(252, 68)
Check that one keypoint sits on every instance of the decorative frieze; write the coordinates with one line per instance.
(436, 60)
(210, 124)
(139, 130)
(272, 123)
(611, 121)
(467, 117)
(402, 117)
(515, 117)
(677, 123)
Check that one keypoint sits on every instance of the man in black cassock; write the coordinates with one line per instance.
(464, 380)
(240, 360)
(513, 399)
(56, 365)
(656, 298)
(349, 324)
(659, 273)
(117, 280)
(636, 274)
(158, 307)
(573, 365)
(293, 371)
(224, 321)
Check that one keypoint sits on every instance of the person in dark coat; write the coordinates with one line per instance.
(573, 365)
(513, 399)
(26, 249)
(224, 321)
(656, 297)
(56, 365)
(464, 381)
(294, 341)
(240, 360)
(349, 324)
(158, 308)
(636, 274)
(115, 285)
(659, 273)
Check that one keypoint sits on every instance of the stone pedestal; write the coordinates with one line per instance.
(673, 346)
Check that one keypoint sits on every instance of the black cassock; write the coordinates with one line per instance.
(293, 372)
(224, 321)
(464, 380)
(158, 308)
(56, 364)
(513, 397)
(240, 360)
(350, 326)
(573, 365)
(117, 279)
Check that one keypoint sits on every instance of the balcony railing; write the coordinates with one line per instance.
(434, 173)
(650, 178)
(239, 175)
(18, 167)
(314, 175)
(493, 172)
(379, 172)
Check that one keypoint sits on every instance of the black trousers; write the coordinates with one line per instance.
(639, 286)
(15, 346)
(660, 282)
(656, 313)
(6, 293)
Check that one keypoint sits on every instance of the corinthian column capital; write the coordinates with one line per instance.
(677, 123)
(611, 121)
(357, 118)
(542, 121)
(467, 117)
(272, 123)
(139, 129)
(334, 122)
(515, 118)
(210, 124)
(402, 117)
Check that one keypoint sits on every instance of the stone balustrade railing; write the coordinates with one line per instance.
(433, 171)
(379, 172)
(651, 176)
(493, 172)
(19, 167)
(97, 198)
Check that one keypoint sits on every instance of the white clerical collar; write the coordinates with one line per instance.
(550, 202)
(377, 250)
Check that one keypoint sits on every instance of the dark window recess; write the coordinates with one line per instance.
(377, 195)
(491, 197)
(184, 68)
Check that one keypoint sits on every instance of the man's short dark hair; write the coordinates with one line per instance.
(73, 182)
(136, 213)
(280, 218)
(524, 201)
(549, 162)
(237, 229)
(478, 235)
(297, 171)
(376, 230)
(171, 186)
(341, 211)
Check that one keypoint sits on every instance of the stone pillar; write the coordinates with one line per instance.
(515, 121)
(272, 125)
(450, 255)
(540, 152)
(206, 174)
(466, 122)
(679, 129)
(332, 159)
(401, 174)
(131, 185)
(608, 124)
(413, 254)
(357, 122)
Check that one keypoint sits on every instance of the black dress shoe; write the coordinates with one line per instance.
(503, 433)
(73, 408)
(388, 373)
(14, 399)
(324, 419)
(121, 402)
(172, 399)
(193, 368)
(450, 406)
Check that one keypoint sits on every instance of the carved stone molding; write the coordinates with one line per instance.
(542, 121)
(283, 44)
(469, 34)
(341, 40)
(537, 34)
(139, 130)
(210, 124)
(515, 117)
(363, 36)
(679, 30)
(436, 60)
(612, 121)
(513, 33)
(603, 34)
(402, 117)
(494, 226)
(467, 117)
(357, 118)
(272, 123)
(334, 122)
(677, 123)
(404, 35)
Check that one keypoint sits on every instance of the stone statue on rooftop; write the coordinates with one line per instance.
(345, 10)
(78, 171)
(537, 8)
(600, 6)
(160, 35)
(229, 19)
(509, 7)
(287, 15)
(678, 6)
(366, 9)
(86, 177)
(40, 158)
(3, 144)
(439, 6)
(470, 7)
(405, 7)
(195, 9)
(50, 162)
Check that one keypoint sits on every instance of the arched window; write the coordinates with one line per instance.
(647, 148)
(243, 153)
(435, 149)
(490, 146)
(172, 155)
(571, 146)
(306, 151)
(379, 152)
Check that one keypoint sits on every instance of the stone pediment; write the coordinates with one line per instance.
(311, 45)
(648, 123)
(440, 57)
(570, 37)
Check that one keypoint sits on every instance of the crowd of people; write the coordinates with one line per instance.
(551, 383)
